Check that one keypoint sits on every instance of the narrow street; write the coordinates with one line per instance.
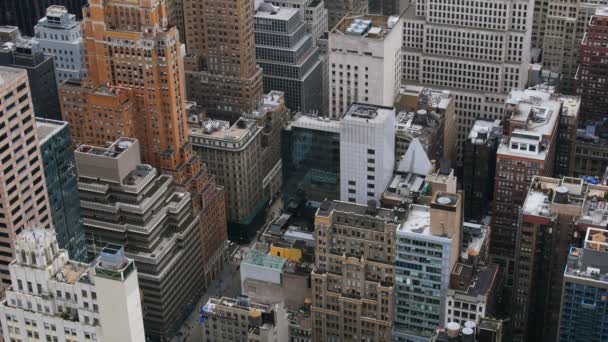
(228, 284)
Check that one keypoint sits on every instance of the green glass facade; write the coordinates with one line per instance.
(62, 187)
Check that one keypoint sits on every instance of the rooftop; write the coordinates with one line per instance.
(315, 122)
(221, 130)
(366, 112)
(418, 220)
(327, 207)
(591, 261)
(241, 302)
(474, 239)
(473, 281)
(8, 74)
(365, 25)
(483, 130)
(261, 259)
(269, 11)
(427, 97)
(45, 128)
(112, 151)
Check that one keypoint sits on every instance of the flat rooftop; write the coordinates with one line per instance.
(261, 259)
(315, 122)
(112, 151)
(45, 128)
(214, 304)
(591, 261)
(483, 130)
(281, 13)
(327, 207)
(427, 97)
(366, 112)
(221, 130)
(480, 280)
(8, 74)
(418, 220)
(373, 26)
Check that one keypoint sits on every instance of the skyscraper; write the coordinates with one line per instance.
(55, 144)
(528, 149)
(584, 304)
(135, 88)
(60, 35)
(566, 23)
(221, 74)
(288, 56)
(479, 50)
(27, 54)
(131, 204)
(591, 75)
(23, 195)
(428, 247)
(26, 13)
(364, 61)
(367, 152)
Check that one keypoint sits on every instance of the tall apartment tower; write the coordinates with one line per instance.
(566, 23)
(135, 88)
(60, 35)
(221, 74)
(480, 58)
(354, 275)
(367, 152)
(364, 61)
(26, 53)
(555, 213)
(26, 13)
(428, 247)
(23, 195)
(129, 203)
(288, 57)
(81, 301)
(528, 149)
(55, 144)
(338, 9)
(590, 75)
(583, 306)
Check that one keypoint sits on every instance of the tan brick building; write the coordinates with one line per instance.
(354, 274)
(221, 70)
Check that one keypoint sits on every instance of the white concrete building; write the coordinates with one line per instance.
(56, 299)
(367, 152)
(479, 50)
(60, 35)
(364, 61)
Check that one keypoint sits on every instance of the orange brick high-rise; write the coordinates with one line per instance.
(135, 88)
